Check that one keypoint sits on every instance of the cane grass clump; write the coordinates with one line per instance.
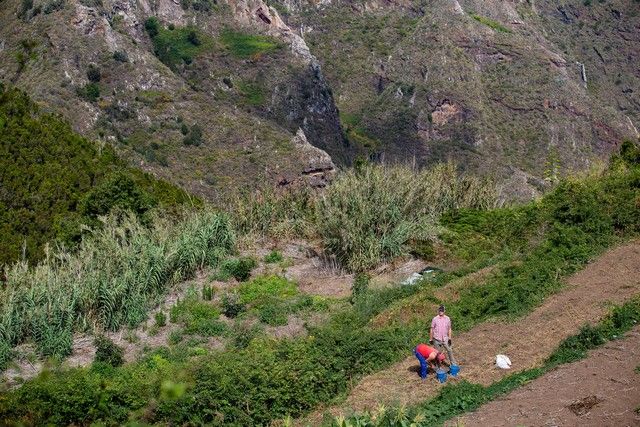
(370, 214)
(118, 273)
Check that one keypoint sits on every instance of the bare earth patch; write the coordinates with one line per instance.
(611, 279)
(601, 390)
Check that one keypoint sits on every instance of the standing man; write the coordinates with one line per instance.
(440, 333)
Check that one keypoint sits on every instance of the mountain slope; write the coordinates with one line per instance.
(213, 93)
(495, 84)
(198, 99)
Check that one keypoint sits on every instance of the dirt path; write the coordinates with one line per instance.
(611, 279)
(582, 393)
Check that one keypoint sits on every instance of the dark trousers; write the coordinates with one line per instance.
(423, 365)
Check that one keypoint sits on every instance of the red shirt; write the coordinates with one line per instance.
(425, 350)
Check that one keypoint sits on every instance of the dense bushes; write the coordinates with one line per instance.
(549, 239)
(116, 275)
(108, 352)
(239, 268)
(51, 174)
(258, 381)
(197, 317)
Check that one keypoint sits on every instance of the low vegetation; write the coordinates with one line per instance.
(238, 268)
(197, 317)
(494, 25)
(245, 45)
(367, 215)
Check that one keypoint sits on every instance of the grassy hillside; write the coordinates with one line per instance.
(54, 180)
(268, 379)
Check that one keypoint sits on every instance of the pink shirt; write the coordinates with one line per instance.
(441, 326)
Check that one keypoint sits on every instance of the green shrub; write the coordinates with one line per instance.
(53, 6)
(207, 292)
(370, 215)
(273, 257)
(273, 312)
(197, 317)
(25, 7)
(160, 318)
(422, 249)
(240, 268)
(89, 92)
(194, 137)
(359, 287)
(264, 287)
(120, 56)
(108, 352)
(118, 190)
(152, 26)
(231, 305)
(193, 38)
(243, 333)
(176, 337)
(202, 5)
(93, 74)
(91, 3)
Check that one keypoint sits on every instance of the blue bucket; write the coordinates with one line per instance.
(454, 370)
(442, 375)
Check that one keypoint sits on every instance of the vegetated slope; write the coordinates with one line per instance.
(494, 84)
(612, 278)
(208, 96)
(54, 180)
(600, 390)
(268, 380)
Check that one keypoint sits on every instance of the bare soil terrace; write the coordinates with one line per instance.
(611, 279)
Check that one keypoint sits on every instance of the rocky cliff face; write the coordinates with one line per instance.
(522, 89)
(217, 96)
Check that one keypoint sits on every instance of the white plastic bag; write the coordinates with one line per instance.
(503, 362)
(412, 280)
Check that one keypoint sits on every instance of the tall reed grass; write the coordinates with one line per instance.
(118, 272)
(368, 214)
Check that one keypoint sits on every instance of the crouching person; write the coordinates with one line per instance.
(429, 357)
